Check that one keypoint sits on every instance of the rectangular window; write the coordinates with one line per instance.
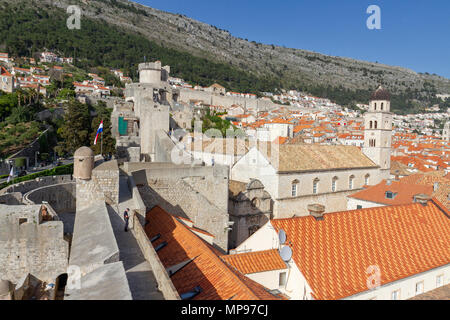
(333, 186)
(419, 287)
(294, 189)
(314, 187)
(282, 281)
(395, 295)
(440, 280)
(359, 206)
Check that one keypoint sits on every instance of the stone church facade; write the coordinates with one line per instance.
(299, 175)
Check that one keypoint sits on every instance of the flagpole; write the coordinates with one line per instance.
(101, 142)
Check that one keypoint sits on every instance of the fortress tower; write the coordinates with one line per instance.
(378, 131)
(446, 132)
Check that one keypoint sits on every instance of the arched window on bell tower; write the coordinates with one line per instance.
(382, 105)
(375, 106)
(376, 125)
(370, 124)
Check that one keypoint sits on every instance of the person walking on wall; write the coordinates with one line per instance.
(126, 217)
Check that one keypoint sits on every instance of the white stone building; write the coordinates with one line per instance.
(374, 254)
(378, 131)
(297, 175)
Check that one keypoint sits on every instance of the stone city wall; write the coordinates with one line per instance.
(186, 95)
(14, 198)
(179, 198)
(165, 285)
(106, 177)
(27, 186)
(93, 242)
(60, 196)
(31, 246)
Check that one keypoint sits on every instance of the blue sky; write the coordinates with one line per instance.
(415, 33)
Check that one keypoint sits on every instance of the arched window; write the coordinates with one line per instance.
(255, 203)
(382, 105)
(376, 124)
(366, 179)
(350, 182)
(316, 186)
(334, 184)
(371, 125)
(294, 188)
(375, 105)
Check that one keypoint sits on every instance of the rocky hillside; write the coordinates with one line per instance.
(204, 40)
(293, 68)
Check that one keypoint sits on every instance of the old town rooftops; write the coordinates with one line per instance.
(315, 157)
(204, 268)
(399, 193)
(334, 254)
(255, 262)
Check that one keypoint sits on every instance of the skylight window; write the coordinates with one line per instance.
(160, 246)
(155, 237)
(191, 294)
(390, 195)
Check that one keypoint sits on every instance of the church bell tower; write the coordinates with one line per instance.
(378, 131)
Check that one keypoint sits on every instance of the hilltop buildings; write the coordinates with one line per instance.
(6, 80)
(258, 215)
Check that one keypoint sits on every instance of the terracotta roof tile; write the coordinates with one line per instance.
(404, 192)
(316, 157)
(254, 262)
(333, 254)
(216, 278)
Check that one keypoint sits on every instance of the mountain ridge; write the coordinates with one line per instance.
(295, 68)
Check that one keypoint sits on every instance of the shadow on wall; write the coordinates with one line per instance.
(247, 216)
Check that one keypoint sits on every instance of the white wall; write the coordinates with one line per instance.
(406, 286)
(353, 203)
(266, 238)
(255, 166)
(305, 186)
(269, 279)
(297, 287)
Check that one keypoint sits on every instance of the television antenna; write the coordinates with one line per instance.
(286, 253)
(282, 236)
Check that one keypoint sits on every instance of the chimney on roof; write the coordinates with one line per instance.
(397, 175)
(422, 199)
(435, 186)
(316, 210)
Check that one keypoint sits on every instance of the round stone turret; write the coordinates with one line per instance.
(83, 163)
(150, 72)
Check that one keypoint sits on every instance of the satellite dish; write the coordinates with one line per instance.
(286, 253)
(282, 236)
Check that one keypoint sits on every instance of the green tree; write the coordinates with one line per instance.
(75, 131)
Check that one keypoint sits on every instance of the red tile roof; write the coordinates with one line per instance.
(333, 254)
(4, 72)
(405, 192)
(217, 279)
(254, 262)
